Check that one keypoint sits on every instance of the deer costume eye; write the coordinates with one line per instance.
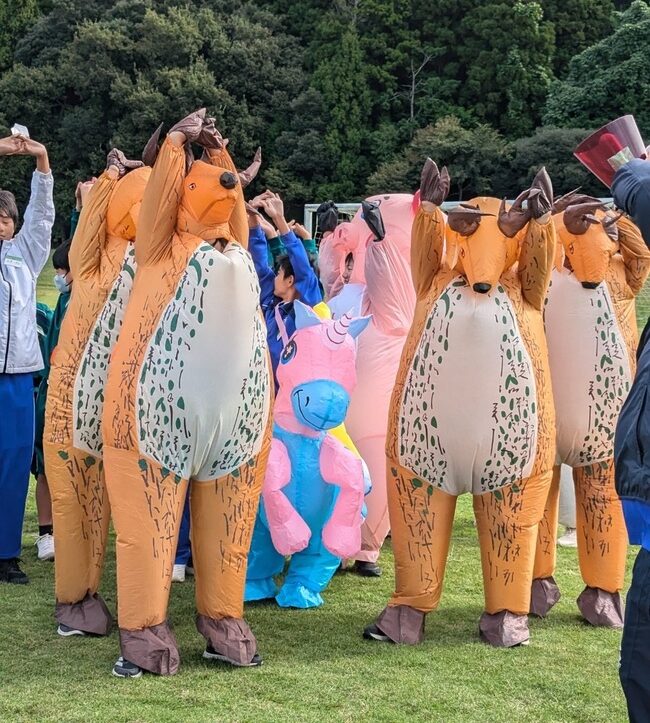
(288, 352)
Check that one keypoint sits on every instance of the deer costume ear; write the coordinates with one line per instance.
(150, 152)
(305, 316)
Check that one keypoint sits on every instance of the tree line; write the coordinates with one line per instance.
(346, 97)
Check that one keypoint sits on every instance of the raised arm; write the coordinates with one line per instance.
(306, 280)
(428, 233)
(35, 235)
(90, 233)
(635, 253)
(537, 252)
(258, 250)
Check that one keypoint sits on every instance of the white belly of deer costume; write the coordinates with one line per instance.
(203, 394)
(468, 419)
(590, 368)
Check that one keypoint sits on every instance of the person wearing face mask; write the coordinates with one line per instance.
(23, 253)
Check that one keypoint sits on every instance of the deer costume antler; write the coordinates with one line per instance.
(578, 217)
(247, 176)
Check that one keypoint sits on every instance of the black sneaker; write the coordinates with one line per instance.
(211, 654)
(125, 669)
(10, 572)
(65, 631)
(367, 569)
(372, 632)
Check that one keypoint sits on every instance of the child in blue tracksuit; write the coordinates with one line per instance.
(631, 191)
(295, 278)
(22, 256)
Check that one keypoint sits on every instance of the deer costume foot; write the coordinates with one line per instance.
(544, 594)
(601, 608)
(397, 624)
(90, 615)
(230, 640)
(153, 649)
(504, 629)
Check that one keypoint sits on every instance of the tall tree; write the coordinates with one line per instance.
(340, 76)
(577, 24)
(15, 17)
(473, 155)
(609, 79)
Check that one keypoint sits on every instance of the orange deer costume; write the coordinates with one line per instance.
(472, 409)
(188, 398)
(601, 265)
(102, 264)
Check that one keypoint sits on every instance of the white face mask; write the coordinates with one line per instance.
(61, 284)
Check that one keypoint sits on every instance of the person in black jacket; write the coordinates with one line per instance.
(631, 191)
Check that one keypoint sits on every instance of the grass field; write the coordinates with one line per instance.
(317, 667)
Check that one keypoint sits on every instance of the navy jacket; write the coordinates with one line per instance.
(306, 284)
(631, 191)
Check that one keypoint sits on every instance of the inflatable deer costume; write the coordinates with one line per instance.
(102, 264)
(601, 265)
(472, 409)
(188, 398)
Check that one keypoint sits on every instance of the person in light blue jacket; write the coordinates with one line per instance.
(22, 256)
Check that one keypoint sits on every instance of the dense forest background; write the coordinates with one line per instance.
(346, 97)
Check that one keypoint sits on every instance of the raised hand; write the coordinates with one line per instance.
(118, 160)
(198, 128)
(434, 184)
(540, 198)
(300, 231)
(511, 221)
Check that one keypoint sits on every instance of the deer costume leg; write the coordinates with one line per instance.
(421, 520)
(145, 550)
(507, 521)
(223, 514)
(602, 544)
(81, 515)
(545, 592)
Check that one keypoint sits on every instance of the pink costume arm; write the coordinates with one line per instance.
(389, 291)
(289, 531)
(342, 533)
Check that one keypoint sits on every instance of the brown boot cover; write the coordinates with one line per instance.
(504, 629)
(544, 594)
(601, 608)
(153, 649)
(90, 615)
(402, 624)
(230, 637)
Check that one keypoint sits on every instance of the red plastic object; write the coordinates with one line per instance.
(611, 147)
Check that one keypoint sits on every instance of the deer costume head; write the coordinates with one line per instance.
(316, 373)
(484, 235)
(124, 207)
(588, 237)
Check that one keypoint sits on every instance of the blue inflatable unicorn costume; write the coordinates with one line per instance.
(312, 497)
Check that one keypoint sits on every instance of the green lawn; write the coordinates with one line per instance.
(316, 665)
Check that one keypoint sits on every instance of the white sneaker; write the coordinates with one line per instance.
(45, 547)
(178, 575)
(569, 538)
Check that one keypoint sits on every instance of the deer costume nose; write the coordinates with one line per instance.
(482, 288)
(590, 284)
(228, 180)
